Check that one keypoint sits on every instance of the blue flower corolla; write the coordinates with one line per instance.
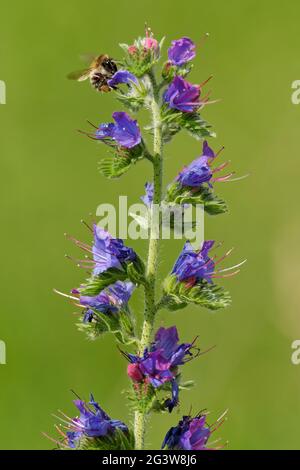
(125, 131)
(183, 96)
(108, 301)
(159, 364)
(109, 252)
(148, 197)
(181, 51)
(199, 171)
(195, 265)
(92, 422)
(122, 77)
(189, 434)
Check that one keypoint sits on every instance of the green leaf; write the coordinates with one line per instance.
(178, 295)
(114, 167)
(213, 205)
(142, 397)
(134, 96)
(96, 284)
(120, 161)
(119, 440)
(196, 126)
(173, 121)
(136, 271)
(120, 324)
(169, 72)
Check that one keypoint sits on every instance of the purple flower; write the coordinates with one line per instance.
(92, 422)
(109, 301)
(122, 76)
(159, 364)
(88, 316)
(148, 198)
(181, 51)
(183, 96)
(109, 252)
(189, 434)
(125, 131)
(195, 265)
(199, 171)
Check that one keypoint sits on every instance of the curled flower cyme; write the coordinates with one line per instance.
(183, 96)
(159, 364)
(190, 434)
(181, 51)
(125, 131)
(92, 422)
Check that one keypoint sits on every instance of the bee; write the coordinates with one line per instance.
(101, 69)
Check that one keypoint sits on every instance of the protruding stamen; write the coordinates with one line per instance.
(233, 267)
(65, 295)
(220, 179)
(237, 179)
(87, 225)
(205, 81)
(220, 167)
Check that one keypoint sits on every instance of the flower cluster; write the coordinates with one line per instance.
(182, 50)
(183, 96)
(124, 132)
(192, 266)
(159, 364)
(190, 434)
(91, 424)
(155, 361)
(108, 301)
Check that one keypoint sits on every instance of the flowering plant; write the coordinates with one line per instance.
(154, 359)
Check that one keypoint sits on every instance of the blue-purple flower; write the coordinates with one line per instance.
(159, 364)
(109, 252)
(189, 434)
(195, 265)
(92, 422)
(122, 77)
(181, 51)
(109, 301)
(199, 171)
(183, 96)
(148, 197)
(125, 131)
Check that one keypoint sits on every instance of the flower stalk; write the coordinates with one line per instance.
(150, 286)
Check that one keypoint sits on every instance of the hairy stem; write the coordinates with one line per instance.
(150, 287)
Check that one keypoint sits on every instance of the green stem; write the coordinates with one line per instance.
(150, 287)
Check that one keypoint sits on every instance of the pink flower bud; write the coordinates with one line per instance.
(150, 43)
(133, 371)
(132, 49)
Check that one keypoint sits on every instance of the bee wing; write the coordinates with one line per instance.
(87, 58)
(79, 75)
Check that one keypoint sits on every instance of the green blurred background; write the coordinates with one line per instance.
(49, 182)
